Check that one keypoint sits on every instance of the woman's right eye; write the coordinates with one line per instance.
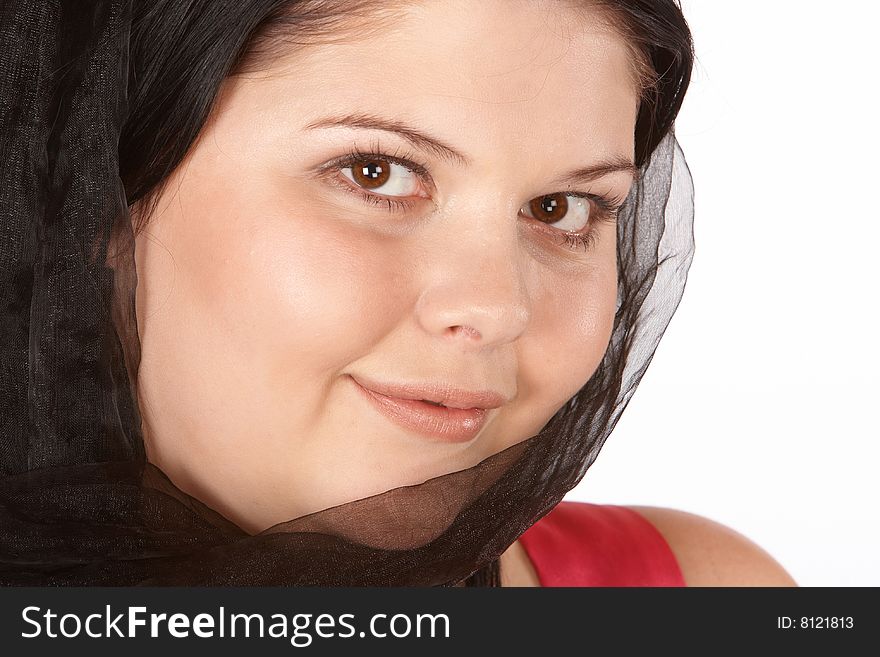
(382, 177)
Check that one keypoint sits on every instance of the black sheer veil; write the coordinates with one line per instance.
(79, 504)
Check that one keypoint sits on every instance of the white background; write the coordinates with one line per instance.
(760, 407)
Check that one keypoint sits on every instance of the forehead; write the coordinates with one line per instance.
(512, 72)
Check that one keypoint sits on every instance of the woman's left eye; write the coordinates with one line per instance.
(566, 212)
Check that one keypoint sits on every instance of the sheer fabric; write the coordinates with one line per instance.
(79, 503)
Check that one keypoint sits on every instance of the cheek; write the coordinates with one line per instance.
(285, 290)
(573, 320)
(252, 301)
(315, 295)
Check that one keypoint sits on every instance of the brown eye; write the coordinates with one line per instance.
(371, 174)
(550, 208)
(567, 212)
(381, 177)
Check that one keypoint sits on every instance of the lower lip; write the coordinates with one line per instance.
(453, 425)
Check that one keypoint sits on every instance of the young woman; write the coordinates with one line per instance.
(399, 268)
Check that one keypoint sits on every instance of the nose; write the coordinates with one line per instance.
(476, 290)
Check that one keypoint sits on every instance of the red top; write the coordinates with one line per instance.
(580, 544)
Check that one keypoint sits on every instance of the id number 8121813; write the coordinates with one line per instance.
(815, 622)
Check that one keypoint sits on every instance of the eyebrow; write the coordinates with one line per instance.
(433, 145)
(410, 134)
(590, 173)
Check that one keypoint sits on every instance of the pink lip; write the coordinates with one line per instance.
(439, 393)
(455, 425)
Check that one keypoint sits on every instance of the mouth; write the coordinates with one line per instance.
(427, 417)
(437, 394)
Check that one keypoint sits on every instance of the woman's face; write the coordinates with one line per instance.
(407, 209)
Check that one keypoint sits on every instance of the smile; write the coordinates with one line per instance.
(430, 419)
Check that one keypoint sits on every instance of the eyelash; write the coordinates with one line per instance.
(606, 206)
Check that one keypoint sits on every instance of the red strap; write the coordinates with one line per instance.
(580, 544)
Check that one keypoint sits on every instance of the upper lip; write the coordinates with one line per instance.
(439, 393)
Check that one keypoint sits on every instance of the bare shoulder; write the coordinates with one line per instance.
(711, 554)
